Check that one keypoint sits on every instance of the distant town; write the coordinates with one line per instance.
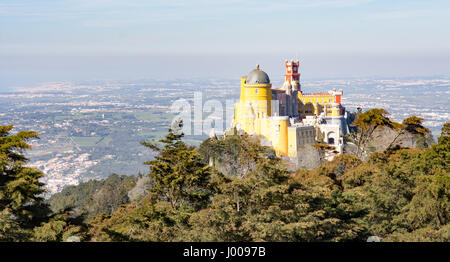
(91, 129)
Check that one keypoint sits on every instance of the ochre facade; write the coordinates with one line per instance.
(272, 113)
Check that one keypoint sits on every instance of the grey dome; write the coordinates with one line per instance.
(257, 76)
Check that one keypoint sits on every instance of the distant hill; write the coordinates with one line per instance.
(95, 196)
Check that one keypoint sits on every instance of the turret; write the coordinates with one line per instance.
(292, 76)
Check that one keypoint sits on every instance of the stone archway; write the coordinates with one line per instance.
(331, 138)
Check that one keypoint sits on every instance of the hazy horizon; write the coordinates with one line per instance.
(69, 40)
(23, 71)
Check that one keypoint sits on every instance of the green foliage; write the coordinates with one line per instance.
(178, 173)
(427, 234)
(148, 221)
(439, 154)
(401, 194)
(414, 125)
(406, 192)
(60, 227)
(320, 135)
(10, 228)
(421, 143)
(76, 197)
(324, 146)
(367, 122)
(234, 155)
(95, 196)
(398, 195)
(373, 118)
(265, 206)
(445, 130)
(21, 206)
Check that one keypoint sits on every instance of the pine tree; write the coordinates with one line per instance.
(265, 205)
(412, 124)
(21, 203)
(179, 176)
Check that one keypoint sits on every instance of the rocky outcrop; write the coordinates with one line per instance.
(309, 157)
(234, 155)
(142, 187)
(384, 138)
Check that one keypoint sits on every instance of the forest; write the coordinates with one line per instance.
(233, 189)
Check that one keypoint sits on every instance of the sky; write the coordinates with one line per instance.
(43, 40)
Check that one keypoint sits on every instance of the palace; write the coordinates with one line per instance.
(286, 118)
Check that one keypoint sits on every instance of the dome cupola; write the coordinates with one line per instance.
(257, 76)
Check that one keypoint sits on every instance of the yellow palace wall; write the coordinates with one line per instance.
(314, 105)
(253, 115)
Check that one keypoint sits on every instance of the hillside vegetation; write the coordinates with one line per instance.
(234, 189)
(94, 197)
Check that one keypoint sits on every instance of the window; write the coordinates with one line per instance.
(256, 91)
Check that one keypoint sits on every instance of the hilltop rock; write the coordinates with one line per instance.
(234, 155)
(382, 138)
(309, 158)
(142, 187)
